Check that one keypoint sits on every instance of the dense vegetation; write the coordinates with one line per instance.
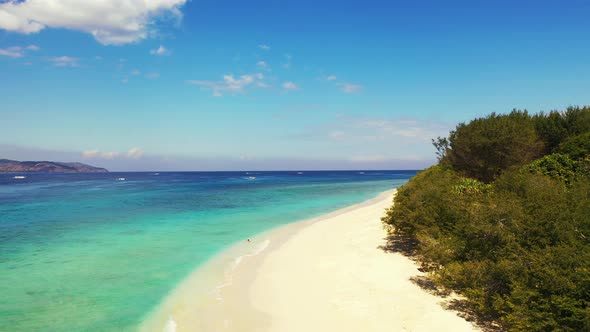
(504, 218)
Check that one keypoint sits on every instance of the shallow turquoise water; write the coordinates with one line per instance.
(85, 252)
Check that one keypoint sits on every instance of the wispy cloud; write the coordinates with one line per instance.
(17, 51)
(109, 21)
(262, 64)
(290, 86)
(13, 52)
(64, 61)
(288, 61)
(337, 135)
(230, 84)
(376, 160)
(367, 129)
(350, 88)
(96, 154)
(264, 47)
(133, 153)
(344, 86)
(160, 51)
(152, 76)
(369, 158)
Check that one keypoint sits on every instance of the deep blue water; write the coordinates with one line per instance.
(91, 251)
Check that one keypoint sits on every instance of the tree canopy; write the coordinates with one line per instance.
(505, 218)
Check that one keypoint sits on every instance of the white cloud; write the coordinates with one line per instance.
(231, 84)
(290, 86)
(96, 154)
(261, 84)
(90, 153)
(331, 78)
(135, 153)
(350, 88)
(64, 61)
(152, 75)
(13, 52)
(160, 51)
(109, 21)
(17, 51)
(135, 72)
(262, 64)
(264, 47)
(406, 130)
(337, 135)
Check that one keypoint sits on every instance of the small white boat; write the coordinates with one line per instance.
(251, 178)
(299, 172)
(156, 173)
(19, 177)
(120, 179)
(361, 172)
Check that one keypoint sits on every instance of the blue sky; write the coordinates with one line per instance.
(234, 85)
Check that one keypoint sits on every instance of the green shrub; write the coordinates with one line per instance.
(515, 240)
(556, 166)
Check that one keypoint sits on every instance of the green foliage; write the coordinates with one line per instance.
(514, 241)
(442, 147)
(555, 127)
(556, 166)
(471, 186)
(576, 147)
(486, 147)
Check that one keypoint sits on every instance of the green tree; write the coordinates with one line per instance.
(486, 147)
(555, 127)
(577, 147)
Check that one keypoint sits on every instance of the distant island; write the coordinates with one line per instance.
(47, 166)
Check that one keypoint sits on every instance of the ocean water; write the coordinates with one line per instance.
(99, 251)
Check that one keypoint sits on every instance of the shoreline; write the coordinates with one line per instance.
(243, 287)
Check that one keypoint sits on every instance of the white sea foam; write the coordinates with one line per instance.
(170, 325)
(228, 280)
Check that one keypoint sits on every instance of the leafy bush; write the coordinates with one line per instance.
(518, 247)
(556, 166)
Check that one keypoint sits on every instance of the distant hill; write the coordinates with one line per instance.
(47, 166)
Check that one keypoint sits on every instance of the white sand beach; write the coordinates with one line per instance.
(325, 274)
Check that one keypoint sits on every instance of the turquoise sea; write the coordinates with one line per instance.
(99, 251)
